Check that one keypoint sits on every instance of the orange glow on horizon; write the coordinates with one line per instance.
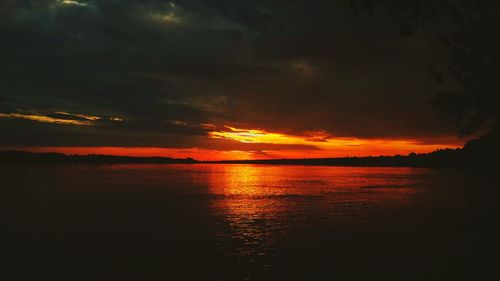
(281, 146)
(328, 146)
(258, 136)
(196, 153)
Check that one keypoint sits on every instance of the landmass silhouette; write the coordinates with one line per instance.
(480, 153)
(47, 158)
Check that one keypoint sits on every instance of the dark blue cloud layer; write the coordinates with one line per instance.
(167, 67)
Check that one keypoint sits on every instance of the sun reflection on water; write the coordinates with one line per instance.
(262, 206)
(251, 210)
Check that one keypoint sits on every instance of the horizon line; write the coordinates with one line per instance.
(224, 160)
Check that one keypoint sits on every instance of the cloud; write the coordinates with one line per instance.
(73, 3)
(46, 119)
(156, 72)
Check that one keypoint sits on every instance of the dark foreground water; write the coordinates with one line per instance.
(247, 222)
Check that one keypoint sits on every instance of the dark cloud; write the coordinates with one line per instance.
(167, 67)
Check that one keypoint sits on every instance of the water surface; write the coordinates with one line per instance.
(247, 222)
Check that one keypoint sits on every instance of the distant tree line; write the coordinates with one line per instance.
(466, 158)
(12, 157)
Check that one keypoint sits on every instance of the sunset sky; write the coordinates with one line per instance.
(215, 80)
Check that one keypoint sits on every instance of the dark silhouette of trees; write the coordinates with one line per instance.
(22, 157)
(447, 158)
(469, 29)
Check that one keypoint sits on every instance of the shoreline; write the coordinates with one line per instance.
(449, 158)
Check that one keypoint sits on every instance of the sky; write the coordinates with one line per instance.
(216, 79)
